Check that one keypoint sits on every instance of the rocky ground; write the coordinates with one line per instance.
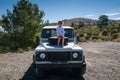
(103, 63)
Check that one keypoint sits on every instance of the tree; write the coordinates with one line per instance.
(80, 25)
(22, 24)
(46, 23)
(72, 24)
(103, 21)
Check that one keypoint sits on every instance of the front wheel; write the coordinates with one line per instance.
(38, 72)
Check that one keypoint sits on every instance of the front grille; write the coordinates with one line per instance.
(58, 56)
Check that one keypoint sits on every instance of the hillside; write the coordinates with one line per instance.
(76, 21)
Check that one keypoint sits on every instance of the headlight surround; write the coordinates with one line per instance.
(77, 56)
(42, 55)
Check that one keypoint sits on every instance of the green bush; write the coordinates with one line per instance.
(83, 40)
(117, 40)
(87, 37)
(113, 27)
(4, 49)
(118, 27)
(29, 48)
(105, 32)
(95, 33)
(105, 38)
(89, 32)
(20, 50)
(81, 34)
(99, 40)
(95, 37)
(115, 36)
(114, 31)
(4, 40)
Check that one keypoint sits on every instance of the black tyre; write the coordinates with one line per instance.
(79, 71)
(38, 72)
(76, 71)
(53, 40)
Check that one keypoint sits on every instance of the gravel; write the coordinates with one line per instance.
(103, 63)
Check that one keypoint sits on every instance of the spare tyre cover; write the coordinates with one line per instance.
(54, 40)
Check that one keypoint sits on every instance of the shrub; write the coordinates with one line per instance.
(87, 37)
(4, 49)
(29, 48)
(106, 38)
(114, 31)
(89, 32)
(4, 40)
(117, 40)
(99, 40)
(95, 33)
(81, 34)
(104, 32)
(83, 40)
(113, 27)
(119, 27)
(20, 50)
(115, 36)
(95, 37)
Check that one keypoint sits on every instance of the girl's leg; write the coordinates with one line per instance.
(62, 40)
(59, 38)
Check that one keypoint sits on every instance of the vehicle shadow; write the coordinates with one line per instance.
(50, 75)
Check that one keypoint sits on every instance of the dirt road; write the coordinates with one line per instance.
(103, 60)
(103, 63)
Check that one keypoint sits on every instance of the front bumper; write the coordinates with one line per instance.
(68, 64)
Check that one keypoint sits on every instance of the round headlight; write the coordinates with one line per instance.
(75, 55)
(42, 55)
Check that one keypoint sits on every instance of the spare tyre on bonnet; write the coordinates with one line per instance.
(53, 40)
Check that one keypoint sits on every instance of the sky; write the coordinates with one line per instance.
(56, 10)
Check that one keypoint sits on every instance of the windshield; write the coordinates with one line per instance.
(46, 33)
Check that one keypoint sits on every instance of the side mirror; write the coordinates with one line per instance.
(76, 39)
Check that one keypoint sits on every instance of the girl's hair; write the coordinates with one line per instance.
(60, 22)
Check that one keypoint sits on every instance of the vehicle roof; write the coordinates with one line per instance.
(51, 27)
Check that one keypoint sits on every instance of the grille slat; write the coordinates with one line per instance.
(58, 56)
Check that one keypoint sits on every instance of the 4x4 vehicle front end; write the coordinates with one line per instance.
(49, 56)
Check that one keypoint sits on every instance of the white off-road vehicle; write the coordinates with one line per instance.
(49, 56)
